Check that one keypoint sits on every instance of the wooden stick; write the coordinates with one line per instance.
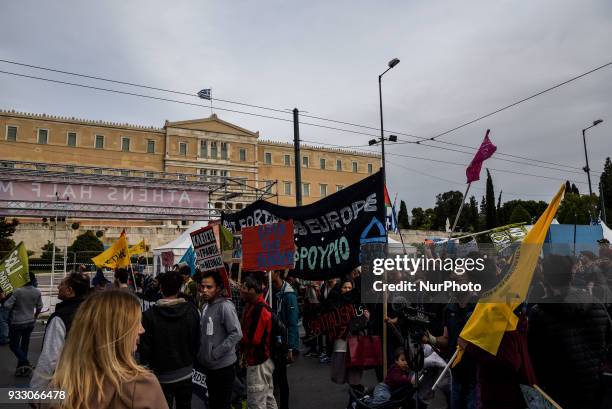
(548, 398)
(467, 189)
(446, 368)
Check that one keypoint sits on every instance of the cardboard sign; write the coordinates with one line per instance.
(237, 250)
(207, 253)
(167, 259)
(268, 247)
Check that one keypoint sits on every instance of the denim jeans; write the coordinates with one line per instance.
(20, 341)
(4, 325)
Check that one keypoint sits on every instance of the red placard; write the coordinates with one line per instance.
(268, 247)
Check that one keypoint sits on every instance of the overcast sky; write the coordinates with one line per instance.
(459, 60)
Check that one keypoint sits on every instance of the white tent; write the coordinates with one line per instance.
(178, 247)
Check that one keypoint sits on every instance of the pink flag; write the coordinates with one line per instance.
(486, 150)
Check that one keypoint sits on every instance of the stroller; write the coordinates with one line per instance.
(401, 398)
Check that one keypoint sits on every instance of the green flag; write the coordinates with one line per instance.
(14, 272)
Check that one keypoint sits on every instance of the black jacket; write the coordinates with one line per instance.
(65, 310)
(171, 339)
(568, 343)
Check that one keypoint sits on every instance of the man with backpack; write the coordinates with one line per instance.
(285, 306)
(256, 344)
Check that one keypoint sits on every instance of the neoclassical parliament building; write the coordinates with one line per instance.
(204, 149)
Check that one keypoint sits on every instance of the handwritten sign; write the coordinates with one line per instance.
(268, 247)
(207, 253)
(167, 259)
(237, 250)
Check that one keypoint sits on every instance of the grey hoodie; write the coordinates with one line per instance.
(220, 332)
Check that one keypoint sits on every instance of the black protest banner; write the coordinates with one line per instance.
(328, 233)
(336, 315)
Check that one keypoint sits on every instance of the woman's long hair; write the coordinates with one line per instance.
(99, 349)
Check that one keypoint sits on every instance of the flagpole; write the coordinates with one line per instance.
(445, 370)
(467, 189)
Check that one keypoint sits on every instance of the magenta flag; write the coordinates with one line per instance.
(486, 150)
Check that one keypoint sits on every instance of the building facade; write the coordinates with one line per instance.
(209, 149)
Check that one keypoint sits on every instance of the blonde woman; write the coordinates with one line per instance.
(97, 369)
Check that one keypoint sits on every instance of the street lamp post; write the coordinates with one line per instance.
(391, 64)
(586, 156)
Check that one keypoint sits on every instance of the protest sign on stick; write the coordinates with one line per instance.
(268, 247)
(208, 256)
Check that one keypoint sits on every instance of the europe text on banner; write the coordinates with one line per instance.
(492, 318)
(206, 250)
(138, 248)
(328, 233)
(268, 247)
(14, 272)
(116, 256)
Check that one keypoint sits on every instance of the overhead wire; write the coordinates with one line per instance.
(332, 120)
(234, 111)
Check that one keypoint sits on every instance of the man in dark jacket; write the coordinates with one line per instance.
(71, 291)
(24, 304)
(568, 339)
(171, 340)
(285, 306)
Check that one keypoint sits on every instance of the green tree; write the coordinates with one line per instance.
(575, 189)
(519, 215)
(534, 208)
(47, 252)
(577, 209)
(605, 182)
(471, 215)
(490, 211)
(6, 231)
(402, 216)
(418, 218)
(447, 205)
(86, 246)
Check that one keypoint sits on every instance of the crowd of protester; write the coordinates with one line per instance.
(135, 341)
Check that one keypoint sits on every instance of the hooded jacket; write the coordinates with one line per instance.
(568, 341)
(171, 339)
(219, 334)
(286, 308)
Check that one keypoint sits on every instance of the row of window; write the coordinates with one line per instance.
(288, 188)
(42, 137)
(208, 149)
(322, 163)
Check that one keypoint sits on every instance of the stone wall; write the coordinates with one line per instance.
(36, 235)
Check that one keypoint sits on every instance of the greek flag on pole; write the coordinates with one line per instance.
(205, 94)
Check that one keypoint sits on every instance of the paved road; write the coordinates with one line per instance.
(308, 379)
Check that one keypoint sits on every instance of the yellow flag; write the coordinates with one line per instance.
(116, 256)
(138, 248)
(494, 313)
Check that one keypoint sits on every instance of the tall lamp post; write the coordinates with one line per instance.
(391, 64)
(586, 156)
